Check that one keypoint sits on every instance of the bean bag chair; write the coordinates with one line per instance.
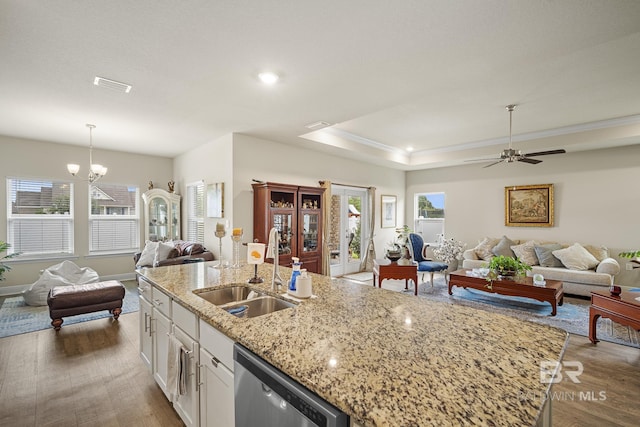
(64, 274)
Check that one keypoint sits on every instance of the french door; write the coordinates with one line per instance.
(348, 229)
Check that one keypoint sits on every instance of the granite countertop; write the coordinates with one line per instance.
(383, 357)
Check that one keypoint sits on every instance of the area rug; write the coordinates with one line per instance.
(572, 316)
(18, 318)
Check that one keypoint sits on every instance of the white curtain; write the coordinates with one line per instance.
(326, 221)
(370, 253)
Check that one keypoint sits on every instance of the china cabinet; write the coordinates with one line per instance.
(296, 212)
(161, 215)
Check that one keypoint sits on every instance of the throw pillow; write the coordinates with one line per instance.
(483, 250)
(148, 254)
(575, 257)
(526, 253)
(599, 252)
(504, 247)
(545, 255)
(163, 251)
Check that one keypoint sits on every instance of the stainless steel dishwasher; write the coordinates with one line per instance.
(264, 396)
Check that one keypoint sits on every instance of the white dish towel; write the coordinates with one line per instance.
(176, 367)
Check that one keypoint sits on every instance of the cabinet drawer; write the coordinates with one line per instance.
(185, 320)
(144, 288)
(216, 343)
(161, 301)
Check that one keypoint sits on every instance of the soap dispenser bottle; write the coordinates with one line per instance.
(296, 272)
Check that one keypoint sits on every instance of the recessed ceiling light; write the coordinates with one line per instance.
(317, 125)
(409, 149)
(268, 77)
(112, 84)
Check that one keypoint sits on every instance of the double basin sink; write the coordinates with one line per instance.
(243, 301)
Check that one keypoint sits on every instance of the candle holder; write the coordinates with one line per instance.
(220, 234)
(236, 236)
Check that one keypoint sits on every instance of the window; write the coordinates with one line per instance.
(429, 217)
(195, 212)
(114, 224)
(39, 217)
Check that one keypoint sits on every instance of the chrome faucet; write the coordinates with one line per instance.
(276, 280)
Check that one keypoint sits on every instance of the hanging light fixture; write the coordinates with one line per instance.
(96, 171)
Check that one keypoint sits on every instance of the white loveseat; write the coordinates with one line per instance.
(582, 268)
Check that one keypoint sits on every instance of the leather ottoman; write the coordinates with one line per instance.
(72, 300)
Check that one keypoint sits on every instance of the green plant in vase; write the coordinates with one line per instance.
(506, 266)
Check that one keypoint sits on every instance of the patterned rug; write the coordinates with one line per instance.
(18, 318)
(572, 316)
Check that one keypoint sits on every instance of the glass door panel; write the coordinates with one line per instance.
(282, 223)
(310, 232)
(348, 232)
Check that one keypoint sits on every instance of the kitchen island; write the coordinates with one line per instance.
(383, 357)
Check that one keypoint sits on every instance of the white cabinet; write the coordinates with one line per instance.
(216, 392)
(146, 339)
(160, 327)
(208, 400)
(161, 215)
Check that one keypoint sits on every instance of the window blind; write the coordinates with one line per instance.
(39, 217)
(114, 224)
(195, 212)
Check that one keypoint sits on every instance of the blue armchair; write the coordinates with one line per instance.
(425, 265)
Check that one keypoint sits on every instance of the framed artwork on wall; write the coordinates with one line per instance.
(528, 205)
(215, 200)
(388, 211)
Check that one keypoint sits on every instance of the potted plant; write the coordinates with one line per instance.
(4, 267)
(506, 267)
(633, 255)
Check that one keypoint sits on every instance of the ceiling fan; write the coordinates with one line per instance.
(510, 155)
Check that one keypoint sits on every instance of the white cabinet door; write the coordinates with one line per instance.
(161, 326)
(216, 393)
(146, 339)
(187, 405)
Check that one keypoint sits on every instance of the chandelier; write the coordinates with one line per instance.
(96, 171)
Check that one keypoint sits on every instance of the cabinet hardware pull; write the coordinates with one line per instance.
(214, 361)
(157, 302)
(146, 326)
(198, 375)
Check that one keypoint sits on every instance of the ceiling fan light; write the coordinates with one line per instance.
(73, 169)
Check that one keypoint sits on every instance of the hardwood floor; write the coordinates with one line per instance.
(90, 374)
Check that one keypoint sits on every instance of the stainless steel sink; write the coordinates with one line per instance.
(258, 307)
(228, 295)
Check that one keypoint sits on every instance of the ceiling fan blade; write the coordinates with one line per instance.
(494, 163)
(483, 160)
(545, 153)
(528, 160)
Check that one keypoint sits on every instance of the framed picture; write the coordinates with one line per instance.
(388, 214)
(528, 206)
(215, 200)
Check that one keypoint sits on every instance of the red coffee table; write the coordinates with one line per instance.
(385, 269)
(623, 309)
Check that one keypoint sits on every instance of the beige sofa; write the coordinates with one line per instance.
(582, 268)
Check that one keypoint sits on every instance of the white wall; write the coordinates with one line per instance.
(36, 159)
(275, 162)
(211, 163)
(596, 201)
